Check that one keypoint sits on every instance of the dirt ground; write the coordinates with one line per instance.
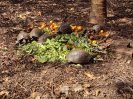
(24, 78)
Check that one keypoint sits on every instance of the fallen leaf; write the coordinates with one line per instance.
(79, 65)
(4, 92)
(45, 96)
(129, 22)
(6, 71)
(89, 75)
(44, 71)
(98, 92)
(54, 4)
(100, 59)
(71, 9)
(78, 88)
(87, 85)
(128, 62)
(35, 95)
(38, 97)
(65, 89)
(27, 12)
(113, 21)
(86, 93)
(107, 83)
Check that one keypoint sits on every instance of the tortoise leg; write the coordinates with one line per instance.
(28, 41)
(24, 41)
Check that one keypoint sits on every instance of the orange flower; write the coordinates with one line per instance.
(52, 32)
(53, 24)
(79, 27)
(94, 42)
(31, 27)
(91, 37)
(42, 23)
(98, 55)
(38, 14)
(101, 34)
(101, 31)
(51, 21)
(106, 35)
(73, 47)
(43, 26)
(76, 31)
(39, 27)
(22, 31)
(73, 27)
(67, 45)
(92, 32)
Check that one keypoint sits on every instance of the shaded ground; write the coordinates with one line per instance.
(23, 78)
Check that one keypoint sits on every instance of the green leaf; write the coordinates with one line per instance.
(52, 59)
(65, 48)
(79, 65)
(42, 59)
(46, 30)
(69, 66)
(70, 42)
(5, 49)
(20, 29)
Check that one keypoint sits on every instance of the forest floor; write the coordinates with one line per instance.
(24, 78)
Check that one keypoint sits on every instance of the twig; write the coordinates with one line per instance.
(22, 87)
(112, 4)
(52, 93)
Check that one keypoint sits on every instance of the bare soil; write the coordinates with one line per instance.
(24, 78)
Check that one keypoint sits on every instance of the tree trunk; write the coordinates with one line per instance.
(98, 12)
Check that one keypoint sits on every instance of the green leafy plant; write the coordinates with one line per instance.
(57, 48)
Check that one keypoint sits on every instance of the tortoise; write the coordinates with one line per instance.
(35, 34)
(79, 57)
(97, 28)
(65, 29)
(88, 33)
(44, 37)
(23, 37)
